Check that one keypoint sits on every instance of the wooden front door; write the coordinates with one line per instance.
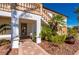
(23, 30)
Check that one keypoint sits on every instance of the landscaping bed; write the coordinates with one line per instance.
(4, 47)
(60, 49)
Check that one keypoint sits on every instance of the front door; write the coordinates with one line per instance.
(23, 30)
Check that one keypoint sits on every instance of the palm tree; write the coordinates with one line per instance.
(77, 12)
(55, 21)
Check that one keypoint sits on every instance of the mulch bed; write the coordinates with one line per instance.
(4, 49)
(60, 49)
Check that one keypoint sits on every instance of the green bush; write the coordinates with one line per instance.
(50, 35)
(58, 38)
(46, 33)
(72, 32)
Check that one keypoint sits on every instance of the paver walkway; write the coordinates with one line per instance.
(77, 53)
(30, 48)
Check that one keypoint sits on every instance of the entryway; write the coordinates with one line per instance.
(23, 30)
(27, 27)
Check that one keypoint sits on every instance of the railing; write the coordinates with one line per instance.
(45, 16)
(5, 29)
(27, 7)
(46, 12)
(35, 8)
(5, 7)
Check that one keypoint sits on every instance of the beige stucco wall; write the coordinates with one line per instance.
(4, 20)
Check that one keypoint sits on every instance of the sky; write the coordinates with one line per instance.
(66, 9)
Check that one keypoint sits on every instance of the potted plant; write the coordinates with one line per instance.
(70, 40)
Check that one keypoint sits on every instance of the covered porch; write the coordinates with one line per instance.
(27, 28)
(23, 26)
(25, 19)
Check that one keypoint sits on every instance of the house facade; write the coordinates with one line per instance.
(22, 20)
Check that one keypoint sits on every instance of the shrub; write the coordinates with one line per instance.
(50, 35)
(58, 38)
(4, 42)
(72, 32)
(46, 33)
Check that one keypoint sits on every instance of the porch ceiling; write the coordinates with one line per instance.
(21, 14)
(1, 17)
(27, 21)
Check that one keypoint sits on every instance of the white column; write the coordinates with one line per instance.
(38, 30)
(15, 29)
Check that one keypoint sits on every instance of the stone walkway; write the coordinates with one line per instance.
(30, 48)
(77, 53)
